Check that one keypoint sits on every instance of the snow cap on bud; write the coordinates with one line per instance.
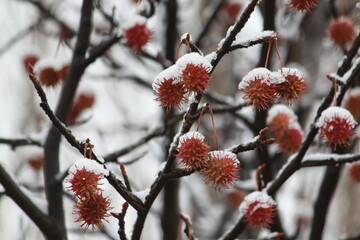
(294, 85)
(336, 126)
(195, 71)
(193, 150)
(258, 209)
(136, 32)
(93, 210)
(260, 87)
(302, 5)
(222, 169)
(352, 102)
(169, 88)
(342, 31)
(354, 171)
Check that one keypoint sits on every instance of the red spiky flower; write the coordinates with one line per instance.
(258, 209)
(336, 126)
(82, 102)
(194, 70)
(136, 33)
(303, 5)
(260, 87)
(354, 171)
(230, 10)
(352, 102)
(294, 85)
(222, 169)
(92, 211)
(193, 150)
(291, 140)
(169, 88)
(342, 31)
(84, 182)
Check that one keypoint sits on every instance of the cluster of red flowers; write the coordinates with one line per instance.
(188, 75)
(219, 167)
(263, 88)
(336, 126)
(91, 207)
(258, 209)
(136, 33)
(284, 125)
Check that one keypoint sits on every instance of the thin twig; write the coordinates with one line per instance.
(14, 143)
(125, 176)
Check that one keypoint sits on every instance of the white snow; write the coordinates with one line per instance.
(264, 201)
(254, 37)
(47, 62)
(292, 71)
(195, 59)
(224, 154)
(280, 108)
(134, 20)
(185, 36)
(142, 194)
(255, 73)
(170, 72)
(332, 112)
(88, 164)
(194, 135)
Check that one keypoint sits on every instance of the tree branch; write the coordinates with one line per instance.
(19, 142)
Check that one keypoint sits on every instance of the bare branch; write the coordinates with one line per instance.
(19, 142)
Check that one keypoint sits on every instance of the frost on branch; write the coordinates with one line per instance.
(258, 209)
(336, 126)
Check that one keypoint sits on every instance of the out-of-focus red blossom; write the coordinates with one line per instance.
(259, 209)
(235, 196)
(352, 102)
(342, 31)
(84, 183)
(93, 210)
(48, 77)
(30, 59)
(293, 87)
(230, 10)
(193, 150)
(221, 169)
(336, 126)
(291, 140)
(279, 124)
(171, 93)
(354, 171)
(302, 5)
(64, 34)
(62, 73)
(36, 162)
(137, 36)
(196, 78)
(81, 103)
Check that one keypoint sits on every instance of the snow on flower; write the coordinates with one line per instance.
(136, 32)
(195, 71)
(303, 5)
(193, 150)
(260, 87)
(222, 169)
(90, 165)
(336, 126)
(294, 85)
(258, 209)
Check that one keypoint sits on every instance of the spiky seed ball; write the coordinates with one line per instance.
(62, 73)
(352, 102)
(354, 171)
(258, 209)
(48, 77)
(291, 140)
(194, 70)
(336, 126)
(136, 33)
(302, 5)
(230, 10)
(84, 183)
(92, 211)
(221, 169)
(82, 102)
(36, 162)
(342, 31)
(193, 150)
(294, 85)
(169, 88)
(260, 87)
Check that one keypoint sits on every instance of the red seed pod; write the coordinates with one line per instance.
(352, 102)
(336, 126)
(36, 162)
(82, 102)
(294, 85)
(258, 209)
(303, 5)
(291, 141)
(222, 169)
(354, 171)
(84, 182)
(136, 33)
(342, 31)
(193, 150)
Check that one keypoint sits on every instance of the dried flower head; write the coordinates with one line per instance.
(193, 150)
(222, 169)
(258, 209)
(294, 85)
(354, 171)
(169, 88)
(92, 210)
(260, 87)
(82, 102)
(352, 102)
(336, 126)
(303, 5)
(136, 33)
(195, 71)
(342, 31)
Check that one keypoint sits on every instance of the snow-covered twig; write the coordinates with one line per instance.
(314, 160)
